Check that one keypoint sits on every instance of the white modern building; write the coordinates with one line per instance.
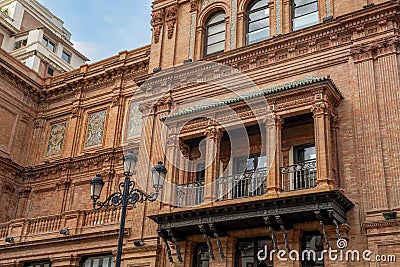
(35, 36)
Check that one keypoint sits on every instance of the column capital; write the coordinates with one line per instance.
(213, 133)
(321, 108)
(173, 140)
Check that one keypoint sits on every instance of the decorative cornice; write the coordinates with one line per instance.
(381, 224)
(375, 49)
(268, 91)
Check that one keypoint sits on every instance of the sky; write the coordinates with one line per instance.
(102, 28)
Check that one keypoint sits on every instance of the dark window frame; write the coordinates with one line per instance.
(294, 7)
(94, 257)
(207, 36)
(68, 54)
(296, 159)
(304, 236)
(46, 41)
(20, 43)
(38, 263)
(248, 22)
(196, 260)
(255, 241)
(50, 71)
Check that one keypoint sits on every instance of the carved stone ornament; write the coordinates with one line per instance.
(320, 108)
(170, 17)
(75, 112)
(157, 22)
(193, 5)
(213, 133)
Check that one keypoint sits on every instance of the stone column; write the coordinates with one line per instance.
(169, 194)
(241, 29)
(273, 125)
(213, 142)
(323, 145)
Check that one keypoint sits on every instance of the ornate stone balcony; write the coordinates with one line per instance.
(48, 227)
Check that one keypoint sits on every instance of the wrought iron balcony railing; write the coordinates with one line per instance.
(247, 184)
(299, 176)
(190, 194)
(243, 185)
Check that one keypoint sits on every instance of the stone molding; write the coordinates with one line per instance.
(375, 49)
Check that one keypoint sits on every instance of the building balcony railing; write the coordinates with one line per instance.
(78, 222)
(190, 194)
(299, 176)
(248, 184)
(243, 185)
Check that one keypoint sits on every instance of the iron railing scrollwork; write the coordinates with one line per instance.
(299, 176)
(116, 199)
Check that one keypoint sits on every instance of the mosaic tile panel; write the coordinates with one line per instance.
(95, 129)
(134, 121)
(278, 16)
(328, 8)
(233, 24)
(56, 139)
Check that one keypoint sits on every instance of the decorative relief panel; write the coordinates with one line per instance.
(56, 139)
(134, 121)
(95, 129)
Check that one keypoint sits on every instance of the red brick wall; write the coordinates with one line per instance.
(29, 22)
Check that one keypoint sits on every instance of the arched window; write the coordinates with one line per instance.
(215, 34)
(305, 13)
(257, 22)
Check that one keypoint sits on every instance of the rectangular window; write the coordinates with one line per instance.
(305, 13)
(39, 264)
(312, 242)
(98, 261)
(20, 43)
(50, 71)
(48, 43)
(66, 56)
(248, 250)
(201, 256)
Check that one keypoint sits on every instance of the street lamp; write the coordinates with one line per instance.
(127, 194)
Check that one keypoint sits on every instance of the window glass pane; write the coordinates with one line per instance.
(216, 28)
(96, 262)
(106, 262)
(66, 57)
(258, 36)
(46, 265)
(219, 37)
(302, 2)
(88, 263)
(305, 9)
(215, 48)
(254, 26)
(51, 46)
(259, 4)
(262, 162)
(44, 41)
(216, 18)
(259, 15)
(305, 21)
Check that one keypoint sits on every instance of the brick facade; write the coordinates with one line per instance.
(46, 160)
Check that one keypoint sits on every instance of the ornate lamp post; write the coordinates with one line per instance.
(127, 194)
